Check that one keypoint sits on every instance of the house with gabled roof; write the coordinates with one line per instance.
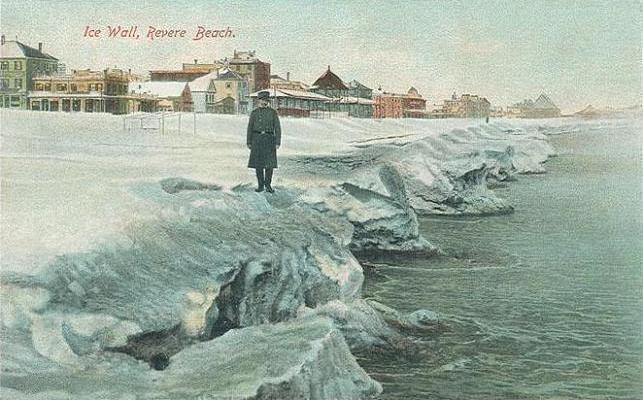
(542, 107)
(330, 85)
(358, 89)
(19, 63)
(222, 91)
(351, 99)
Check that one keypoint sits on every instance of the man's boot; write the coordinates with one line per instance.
(269, 188)
(260, 179)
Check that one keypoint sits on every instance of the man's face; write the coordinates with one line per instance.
(263, 103)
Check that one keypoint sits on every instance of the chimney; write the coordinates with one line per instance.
(2, 39)
(40, 47)
(288, 76)
(329, 67)
(195, 61)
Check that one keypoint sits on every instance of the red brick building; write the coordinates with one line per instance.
(394, 105)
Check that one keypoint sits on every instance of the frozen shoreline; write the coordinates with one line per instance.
(225, 257)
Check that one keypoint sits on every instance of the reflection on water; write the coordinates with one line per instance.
(543, 303)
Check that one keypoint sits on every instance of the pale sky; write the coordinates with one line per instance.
(578, 52)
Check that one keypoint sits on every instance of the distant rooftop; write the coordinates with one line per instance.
(301, 94)
(16, 49)
(158, 88)
(329, 80)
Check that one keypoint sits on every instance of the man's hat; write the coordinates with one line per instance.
(264, 94)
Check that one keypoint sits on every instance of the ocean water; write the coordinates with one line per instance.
(545, 303)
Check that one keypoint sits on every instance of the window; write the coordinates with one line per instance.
(40, 86)
(4, 65)
(15, 101)
(18, 83)
(74, 88)
(17, 65)
(47, 86)
(228, 85)
(4, 83)
(61, 87)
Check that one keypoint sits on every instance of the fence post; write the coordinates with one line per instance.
(194, 123)
(162, 122)
(179, 123)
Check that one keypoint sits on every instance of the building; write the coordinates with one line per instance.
(170, 96)
(231, 93)
(87, 91)
(542, 107)
(386, 105)
(251, 68)
(349, 99)
(277, 82)
(296, 103)
(516, 110)
(464, 106)
(357, 89)
(203, 93)
(222, 91)
(170, 75)
(330, 85)
(187, 73)
(394, 105)
(19, 63)
(357, 107)
(61, 69)
(202, 67)
(496, 112)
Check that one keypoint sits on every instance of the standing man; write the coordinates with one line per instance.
(263, 139)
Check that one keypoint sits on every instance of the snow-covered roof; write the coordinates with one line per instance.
(158, 88)
(226, 74)
(543, 101)
(353, 100)
(301, 94)
(331, 81)
(355, 84)
(15, 49)
(202, 83)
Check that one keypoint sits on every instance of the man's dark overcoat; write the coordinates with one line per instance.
(263, 137)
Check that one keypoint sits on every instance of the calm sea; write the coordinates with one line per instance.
(545, 303)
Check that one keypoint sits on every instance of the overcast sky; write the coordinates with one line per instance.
(578, 52)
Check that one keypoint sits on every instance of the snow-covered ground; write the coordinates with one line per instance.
(143, 243)
(67, 178)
